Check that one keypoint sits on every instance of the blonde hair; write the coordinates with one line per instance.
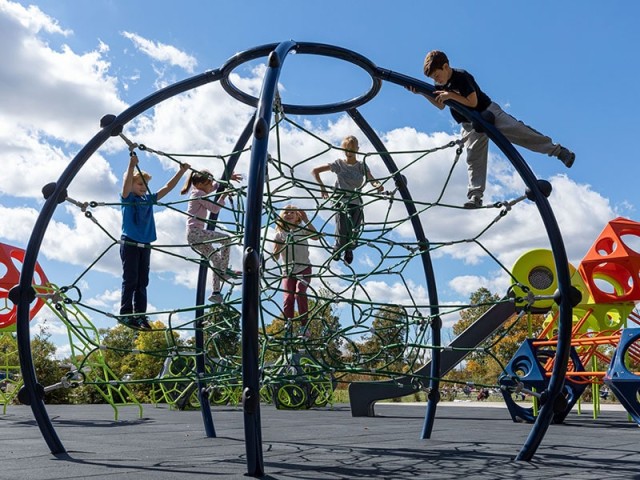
(196, 177)
(350, 141)
(143, 174)
(283, 225)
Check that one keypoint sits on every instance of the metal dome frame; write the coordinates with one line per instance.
(258, 128)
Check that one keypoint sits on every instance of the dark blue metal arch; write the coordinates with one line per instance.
(427, 265)
(252, 261)
(203, 397)
(24, 291)
(561, 261)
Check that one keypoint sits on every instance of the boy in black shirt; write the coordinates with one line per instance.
(460, 86)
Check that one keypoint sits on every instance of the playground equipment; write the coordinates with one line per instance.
(11, 259)
(87, 360)
(607, 284)
(369, 318)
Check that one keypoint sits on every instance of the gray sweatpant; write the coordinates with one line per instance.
(516, 132)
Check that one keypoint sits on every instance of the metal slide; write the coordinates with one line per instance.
(363, 395)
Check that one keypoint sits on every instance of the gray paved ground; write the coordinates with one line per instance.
(467, 442)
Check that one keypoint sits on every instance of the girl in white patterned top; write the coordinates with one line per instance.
(200, 186)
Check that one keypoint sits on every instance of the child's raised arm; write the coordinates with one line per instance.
(306, 225)
(431, 99)
(170, 185)
(127, 183)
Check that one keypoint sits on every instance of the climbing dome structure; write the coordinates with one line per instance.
(349, 326)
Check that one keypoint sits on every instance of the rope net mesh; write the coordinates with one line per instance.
(352, 331)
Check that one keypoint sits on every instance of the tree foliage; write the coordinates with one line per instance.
(480, 367)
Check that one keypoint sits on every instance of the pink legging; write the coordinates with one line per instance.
(295, 289)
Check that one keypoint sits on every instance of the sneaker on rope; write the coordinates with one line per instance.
(127, 321)
(215, 297)
(474, 202)
(130, 321)
(567, 157)
(143, 323)
(348, 257)
(229, 275)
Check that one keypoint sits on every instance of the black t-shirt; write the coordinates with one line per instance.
(463, 83)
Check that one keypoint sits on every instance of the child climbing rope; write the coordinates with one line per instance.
(138, 231)
(350, 178)
(200, 185)
(293, 230)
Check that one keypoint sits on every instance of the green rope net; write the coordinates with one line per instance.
(352, 333)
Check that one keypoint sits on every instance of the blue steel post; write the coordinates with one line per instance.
(556, 382)
(203, 398)
(251, 263)
(427, 266)
(563, 351)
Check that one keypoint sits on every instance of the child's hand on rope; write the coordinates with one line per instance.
(184, 167)
(236, 177)
(133, 159)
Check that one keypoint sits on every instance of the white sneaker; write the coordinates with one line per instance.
(215, 297)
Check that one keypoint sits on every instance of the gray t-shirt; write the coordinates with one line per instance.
(350, 178)
(296, 252)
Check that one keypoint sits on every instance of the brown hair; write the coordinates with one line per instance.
(434, 60)
(195, 177)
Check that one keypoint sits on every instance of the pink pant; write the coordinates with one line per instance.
(295, 289)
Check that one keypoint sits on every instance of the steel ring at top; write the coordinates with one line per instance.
(310, 49)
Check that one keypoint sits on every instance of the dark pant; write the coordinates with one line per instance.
(348, 225)
(135, 277)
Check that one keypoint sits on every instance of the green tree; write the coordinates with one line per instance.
(323, 325)
(154, 346)
(480, 367)
(384, 347)
(119, 342)
(49, 370)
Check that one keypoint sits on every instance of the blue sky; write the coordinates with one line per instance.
(565, 68)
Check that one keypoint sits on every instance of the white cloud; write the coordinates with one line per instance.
(75, 88)
(162, 52)
(27, 154)
(465, 285)
(31, 18)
